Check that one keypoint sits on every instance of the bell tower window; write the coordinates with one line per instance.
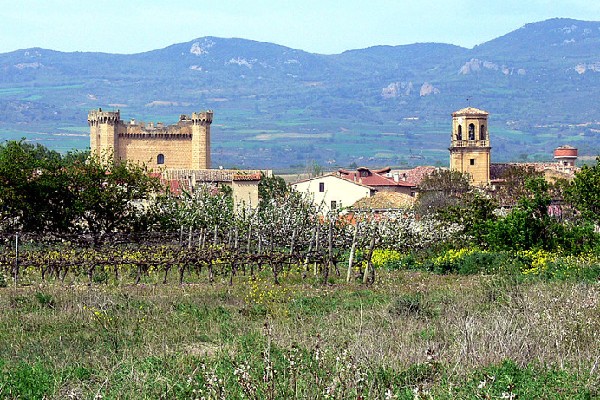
(459, 134)
(471, 131)
(160, 159)
(482, 132)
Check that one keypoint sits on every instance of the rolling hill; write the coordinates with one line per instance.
(279, 107)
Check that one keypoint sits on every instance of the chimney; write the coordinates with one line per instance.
(396, 177)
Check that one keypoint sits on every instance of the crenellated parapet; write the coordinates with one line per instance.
(202, 118)
(96, 117)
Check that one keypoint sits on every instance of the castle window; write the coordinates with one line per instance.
(321, 186)
(472, 161)
(471, 131)
(482, 132)
(160, 159)
(459, 134)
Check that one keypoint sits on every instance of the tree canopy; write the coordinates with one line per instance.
(584, 192)
(42, 191)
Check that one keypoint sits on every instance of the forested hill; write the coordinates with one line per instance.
(279, 107)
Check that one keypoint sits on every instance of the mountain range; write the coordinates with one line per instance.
(277, 107)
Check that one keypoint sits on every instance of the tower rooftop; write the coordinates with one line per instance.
(469, 111)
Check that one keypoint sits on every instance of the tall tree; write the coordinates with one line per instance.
(42, 191)
(528, 225)
(108, 197)
(440, 190)
(584, 192)
(33, 191)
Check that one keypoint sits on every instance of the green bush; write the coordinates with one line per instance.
(392, 260)
(467, 261)
(412, 304)
(44, 299)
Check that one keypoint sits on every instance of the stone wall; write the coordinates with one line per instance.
(185, 145)
(473, 161)
(176, 151)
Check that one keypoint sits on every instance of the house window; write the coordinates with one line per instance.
(333, 205)
(160, 159)
(321, 186)
(482, 132)
(472, 161)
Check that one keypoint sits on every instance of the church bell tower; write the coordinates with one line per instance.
(470, 145)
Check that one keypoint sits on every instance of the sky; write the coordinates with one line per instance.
(316, 26)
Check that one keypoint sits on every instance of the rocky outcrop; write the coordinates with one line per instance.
(428, 89)
(397, 89)
(583, 68)
(242, 62)
(199, 48)
(476, 65)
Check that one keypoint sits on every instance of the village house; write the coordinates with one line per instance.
(382, 180)
(243, 183)
(340, 190)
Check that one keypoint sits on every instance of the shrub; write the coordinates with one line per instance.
(471, 261)
(547, 265)
(45, 300)
(391, 260)
(412, 304)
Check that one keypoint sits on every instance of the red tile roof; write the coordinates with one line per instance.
(417, 174)
(373, 178)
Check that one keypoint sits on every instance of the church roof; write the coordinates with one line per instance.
(469, 111)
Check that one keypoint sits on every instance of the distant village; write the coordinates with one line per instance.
(179, 155)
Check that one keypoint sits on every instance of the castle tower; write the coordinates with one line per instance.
(566, 156)
(104, 134)
(201, 139)
(470, 145)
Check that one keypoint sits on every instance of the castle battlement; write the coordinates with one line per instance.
(184, 145)
(104, 117)
(202, 117)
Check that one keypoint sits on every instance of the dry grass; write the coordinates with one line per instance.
(121, 340)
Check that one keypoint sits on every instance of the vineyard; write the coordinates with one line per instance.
(112, 287)
(317, 246)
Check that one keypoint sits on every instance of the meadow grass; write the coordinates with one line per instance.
(411, 335)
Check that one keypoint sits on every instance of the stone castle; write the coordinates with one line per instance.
(184, 145)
